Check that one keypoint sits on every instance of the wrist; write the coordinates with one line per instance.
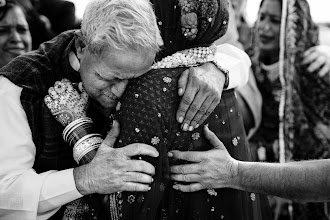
(224, 71)
(236, 177)
(81, 179)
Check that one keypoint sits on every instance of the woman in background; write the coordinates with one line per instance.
(15, 37)
(295, 115)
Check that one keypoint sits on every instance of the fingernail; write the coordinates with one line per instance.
(175, 187)
(196, 126)
(191, 128)
(170, 154)
(152, 179)
(180, 119)
(185, 127)
(180, 91)
(149, 188)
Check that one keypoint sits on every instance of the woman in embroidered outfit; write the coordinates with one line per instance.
(295, 118)
(147, 114)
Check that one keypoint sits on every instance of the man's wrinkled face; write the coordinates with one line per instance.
(105, 77)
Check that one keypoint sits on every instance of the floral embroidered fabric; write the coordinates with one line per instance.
(147, 115)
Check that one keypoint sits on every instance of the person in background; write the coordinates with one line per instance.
(40, 26)
(295, 121)
(61, 14)
(15, 36)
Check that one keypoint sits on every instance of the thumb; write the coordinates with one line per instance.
(182, 83)
(111, 137)
(213, 139)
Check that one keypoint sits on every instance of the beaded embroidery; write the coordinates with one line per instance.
(187, 58)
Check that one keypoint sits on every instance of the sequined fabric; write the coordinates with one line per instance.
(147, 115)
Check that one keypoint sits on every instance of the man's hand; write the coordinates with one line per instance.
(317, 58)
(113, 170)
(201, 88)
(209, 170)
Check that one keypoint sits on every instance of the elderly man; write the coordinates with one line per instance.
(118, 40)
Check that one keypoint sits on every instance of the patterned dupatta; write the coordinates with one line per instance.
(188, 24)
(303, 114)
(304, 111)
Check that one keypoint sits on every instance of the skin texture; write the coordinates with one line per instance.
(305, 181)
(15, 37)
(112, 170)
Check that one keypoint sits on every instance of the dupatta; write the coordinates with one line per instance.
(304, 112)
(302, 119)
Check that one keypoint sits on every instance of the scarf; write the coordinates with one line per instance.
(186, 24)
(303, 113)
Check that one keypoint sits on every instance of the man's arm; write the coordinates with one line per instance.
(24, 192)
(201, 87)
(301, 181)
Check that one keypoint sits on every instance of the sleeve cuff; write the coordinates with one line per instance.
(236, 61)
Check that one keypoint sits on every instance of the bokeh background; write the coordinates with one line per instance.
(319, 10)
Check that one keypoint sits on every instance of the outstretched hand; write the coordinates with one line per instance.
(113, 170)
(209, 169)
(201, 89)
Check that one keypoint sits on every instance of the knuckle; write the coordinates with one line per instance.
(193, 107)
(202, 110)
(186, 100)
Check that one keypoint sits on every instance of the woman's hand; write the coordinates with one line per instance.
(201, 88)
(208, 169)
(65, 102)
(317, 58)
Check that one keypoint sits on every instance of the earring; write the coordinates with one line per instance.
(74, 62)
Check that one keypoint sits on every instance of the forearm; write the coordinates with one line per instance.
(301, 181)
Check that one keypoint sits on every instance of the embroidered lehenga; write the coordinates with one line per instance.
(296, 120)
(148, 114)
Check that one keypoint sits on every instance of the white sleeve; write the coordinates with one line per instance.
(236, 61)
(24, 194)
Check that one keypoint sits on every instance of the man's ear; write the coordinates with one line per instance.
(80, 44)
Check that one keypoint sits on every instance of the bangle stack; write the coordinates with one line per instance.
(81, 136)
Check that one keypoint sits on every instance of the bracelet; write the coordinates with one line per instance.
(77, 129)
(224, 71)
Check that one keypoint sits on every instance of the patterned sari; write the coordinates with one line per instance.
(147, 114)
(296, 111)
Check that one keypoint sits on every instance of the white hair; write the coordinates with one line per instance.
(120, 24)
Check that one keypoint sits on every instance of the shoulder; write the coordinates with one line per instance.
(9, 92)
